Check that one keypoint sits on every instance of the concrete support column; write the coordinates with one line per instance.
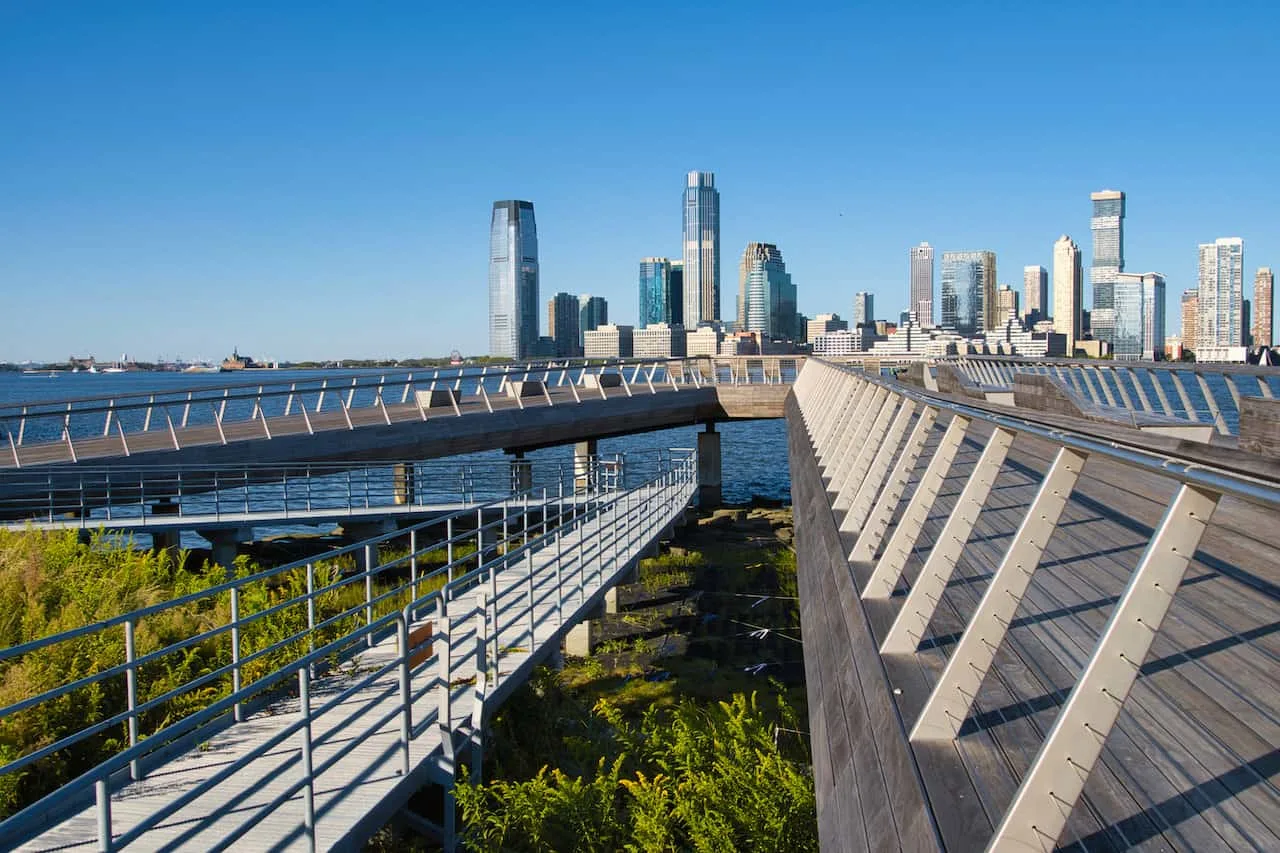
(577, 643)
(358, 530)
(165, 539)
(709, 491)
(584, 458)
(224, 543)
(521, 472)
(403, 485)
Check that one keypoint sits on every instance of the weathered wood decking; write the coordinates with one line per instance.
(1192, 763)
(358, 755)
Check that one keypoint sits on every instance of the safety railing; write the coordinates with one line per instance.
(90, 496)
(869, 437)
(488, 588)
(219, 413)
(1200, 393)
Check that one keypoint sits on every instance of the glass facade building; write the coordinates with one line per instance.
(1221, 294)
(1107, 226)
(593, 312)
(864, 308)
(968, 291)
(562, 325)
(701, 249)
(675, 295)
(513, 280)
(655, 291)
(1138, 300)
(922, 284)
(769, 296)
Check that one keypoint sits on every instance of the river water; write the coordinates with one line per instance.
(753, 453)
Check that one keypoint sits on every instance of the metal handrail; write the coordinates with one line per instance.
(681, 472)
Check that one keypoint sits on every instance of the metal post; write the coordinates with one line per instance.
(406, 703)
(235, 651)
(311, 607)
(1053, 783)
(413, 563)
(103, 797)
(368, 592)
(889, 568)
(952, 696)
(308, 771)
(917, 611)
(131, 687)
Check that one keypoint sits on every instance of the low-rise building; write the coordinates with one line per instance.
(658, 340)
(705, 340)
(822, 324)
(609, 341)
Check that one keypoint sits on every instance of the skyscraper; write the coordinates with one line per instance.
(1035, 293)
(1108, 258)
(1264, 285)
(968, 291)
(1068, 291)
(562, 324)
(1190, 320)
(1139, 313)
(593, 312)
(1221, 304)
(513, 280)
(675, 295)
(655, 290)
(864, 308)
(769, 296)
(1006, 304)
(922, 284)
(701, 249)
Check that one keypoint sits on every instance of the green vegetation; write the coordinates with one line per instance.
(50, 582)
(683, 731)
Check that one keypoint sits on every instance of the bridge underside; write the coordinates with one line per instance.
(399, 434)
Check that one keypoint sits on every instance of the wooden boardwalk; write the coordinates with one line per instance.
(1193, 763)
(357, 744)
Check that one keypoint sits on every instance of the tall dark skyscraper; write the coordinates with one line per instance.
(1107, 225)
(655, 291)
(513, 280)
(593, 312)
(675, 296)
(701, 249)
(562, 324)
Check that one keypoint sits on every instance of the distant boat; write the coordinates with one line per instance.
(114, 369)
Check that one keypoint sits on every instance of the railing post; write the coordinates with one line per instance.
(917, 611)
(131, 688)
(235, 651)
(406, 700)
(1053, 783)
(368, 591)
(308, 770)
(413, 563)
(952, 696)
(103, 797)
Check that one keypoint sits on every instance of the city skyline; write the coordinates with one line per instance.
(334, 174)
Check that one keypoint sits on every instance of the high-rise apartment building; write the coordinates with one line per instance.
(1140, 316)
(1264, 286)
(969, 291)
(1190, 320)
(655, 291)
(1068, 291)
(1221, 305)
(1006, 304)
(562, 324)
(1107, 226)
(1035, 294)
(513, 280)
(768, 295)
(701, 249)
(922, 284)
(864, 308)
(593, 312)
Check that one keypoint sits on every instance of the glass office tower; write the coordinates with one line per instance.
(968, 290)
(655, 290)
(1107, 226)
(701, 249)
(513, 280)
(1139, 317)
(769, 296)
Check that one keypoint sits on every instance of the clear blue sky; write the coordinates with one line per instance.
(312, 180)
